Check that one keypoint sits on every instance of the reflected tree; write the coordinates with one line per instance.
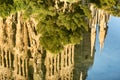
(57, 28)
(111, 6)
(50, 25)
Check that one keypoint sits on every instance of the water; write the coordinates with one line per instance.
(107, 62)
(26, 49)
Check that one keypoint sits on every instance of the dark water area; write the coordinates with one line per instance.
(106, 64)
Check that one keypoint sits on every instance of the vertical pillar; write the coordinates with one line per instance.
(26, 67)
(19, 63)
(72, 54)
(69, 55)
(6, 58)
(23, 67)
(16, 63)
(66, 52)
(9, 53)
(0, 59)
(81, 76)
(52, 66)
(58, 63)
(35, 66)
(47, 66)
(55, 64)
(3, 64)
(62, 60)
(71, 75)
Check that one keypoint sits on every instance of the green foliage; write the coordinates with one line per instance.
(86, 11)
(5, 7)
(57, 28)
(111, 6)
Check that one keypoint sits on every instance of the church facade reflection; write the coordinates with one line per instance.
(22, 57)
(60, 66)
(99, 19)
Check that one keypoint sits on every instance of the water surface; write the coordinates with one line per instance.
(107, 62)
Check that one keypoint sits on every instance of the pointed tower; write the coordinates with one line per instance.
(102, 22)
(92, 25)
(101, 18)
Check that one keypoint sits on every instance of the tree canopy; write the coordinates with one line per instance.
(62, 28)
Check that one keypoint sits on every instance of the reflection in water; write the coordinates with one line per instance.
(100, 18)
(17, 62)
(106, 65)
(60, 66)
(83, 60)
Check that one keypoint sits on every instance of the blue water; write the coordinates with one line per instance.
(107, 63)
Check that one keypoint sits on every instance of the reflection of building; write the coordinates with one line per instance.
(100, 18)
(103, 18)
(17, 41)
(22, 58)
(82, 57)
(60, 66)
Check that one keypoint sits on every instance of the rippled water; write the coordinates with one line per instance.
(107, 62)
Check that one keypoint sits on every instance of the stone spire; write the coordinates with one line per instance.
(92, 25)
(81, 75)
(103, 18)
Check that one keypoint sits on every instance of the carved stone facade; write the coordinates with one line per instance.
(60, 66)
(18, 43)
(23, 58)
(21, 55)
